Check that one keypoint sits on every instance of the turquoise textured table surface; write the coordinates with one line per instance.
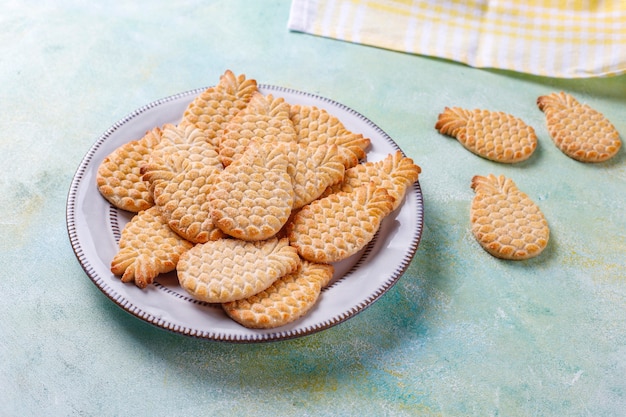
(460, 334)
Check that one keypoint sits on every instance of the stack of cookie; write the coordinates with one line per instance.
(250, 199)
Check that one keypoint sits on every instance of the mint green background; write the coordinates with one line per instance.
(462, 333)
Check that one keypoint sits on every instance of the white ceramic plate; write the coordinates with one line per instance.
(94, 228)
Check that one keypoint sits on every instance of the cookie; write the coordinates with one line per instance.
(181, 193)
(396, 173)
(579, 131)
(212, 109)
(265, 119)
(337, 226)
(285, 301)
(312, 170)
(147, 248)
(189, 143)
(119, 175)
(253, 197)
(231, 269)
(315, 126)
(505, 221)
(496, 136)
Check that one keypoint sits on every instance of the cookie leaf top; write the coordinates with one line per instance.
(148, 247)
(313, 170)
(395, 173)
(211, 110)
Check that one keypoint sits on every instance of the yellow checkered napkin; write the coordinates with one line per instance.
(556, 38)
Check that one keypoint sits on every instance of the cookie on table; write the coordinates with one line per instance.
(579, 131)
(147, 248)
(396, 173)
(119, 175)
(181, 193)
(337, 226)
(285, 301)
(265, 119)
(496, 136)
(231, 269)
(212, 109)
(315, 126)
(252, 198)
(505, 221)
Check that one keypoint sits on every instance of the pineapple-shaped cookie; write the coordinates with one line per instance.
(212, 109)
(286, 300)
(578, 130)
(496, 136)
(181, 195)
(119, 175)
(188, 142)
(339, 225)
(315, 127)
(148, 247)
(505, 221)
(252, 198)
(265, 119)
(313, 169)
(231, 269)
(396, 173)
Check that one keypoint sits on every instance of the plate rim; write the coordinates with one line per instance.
(276, 335)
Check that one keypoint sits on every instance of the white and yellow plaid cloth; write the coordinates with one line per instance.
(555, 38)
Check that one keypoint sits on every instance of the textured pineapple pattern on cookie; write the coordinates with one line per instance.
(395, 173)
(211, 110)
(337, 226)
(231, 269)
(182, 196)
(188, 143)
(253, 197)
(265, 119)
(579, 131)
(316, 127)
(312, 170)
(119, 175)
(285, 301)
(496, 136)
(147, 248)
(505, 221)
